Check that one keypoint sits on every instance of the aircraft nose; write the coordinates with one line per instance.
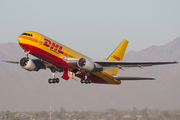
(22, 42)
(19, 39)
(23, 37)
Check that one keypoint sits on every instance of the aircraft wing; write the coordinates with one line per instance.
(40, 64)
(131, 78)
(126, 64)
(11, 61)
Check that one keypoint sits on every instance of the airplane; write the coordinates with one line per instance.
(59, 58)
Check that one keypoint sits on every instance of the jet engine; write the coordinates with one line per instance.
(28, 64)
(86, 65)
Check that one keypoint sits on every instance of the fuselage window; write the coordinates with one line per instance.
(27, 34)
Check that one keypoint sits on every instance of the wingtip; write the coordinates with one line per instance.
(175, 62)
(150, 79)
(7, 61)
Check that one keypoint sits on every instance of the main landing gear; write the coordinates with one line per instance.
(86, 81)
(53, 79)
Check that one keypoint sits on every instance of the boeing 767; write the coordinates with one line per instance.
(59, 58)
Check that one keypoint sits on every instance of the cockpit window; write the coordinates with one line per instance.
(27, 34)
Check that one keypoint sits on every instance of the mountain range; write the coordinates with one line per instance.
(21, 90)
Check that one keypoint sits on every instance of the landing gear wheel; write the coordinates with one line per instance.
(89, 81)
(86, 81)
(54, 80)
(57, 80)
(49, 81)
(83, 81)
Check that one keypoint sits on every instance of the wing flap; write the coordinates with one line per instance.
(131, 78)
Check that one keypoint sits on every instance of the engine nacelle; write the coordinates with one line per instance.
(86, 64)
(28, 64)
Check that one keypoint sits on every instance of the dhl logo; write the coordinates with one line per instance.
(116, 57)
(55, 47)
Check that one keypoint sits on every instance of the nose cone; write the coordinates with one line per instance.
(25, 40)
(19, 39)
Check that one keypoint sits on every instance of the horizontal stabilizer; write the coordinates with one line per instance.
(131, 78)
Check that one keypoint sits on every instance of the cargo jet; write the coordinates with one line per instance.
(59, 58)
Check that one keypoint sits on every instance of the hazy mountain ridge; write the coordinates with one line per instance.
(23, 90)
(169, 51)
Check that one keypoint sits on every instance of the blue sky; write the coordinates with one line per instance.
(95, 27)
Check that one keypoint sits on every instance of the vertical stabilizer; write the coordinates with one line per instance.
(118, 53)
